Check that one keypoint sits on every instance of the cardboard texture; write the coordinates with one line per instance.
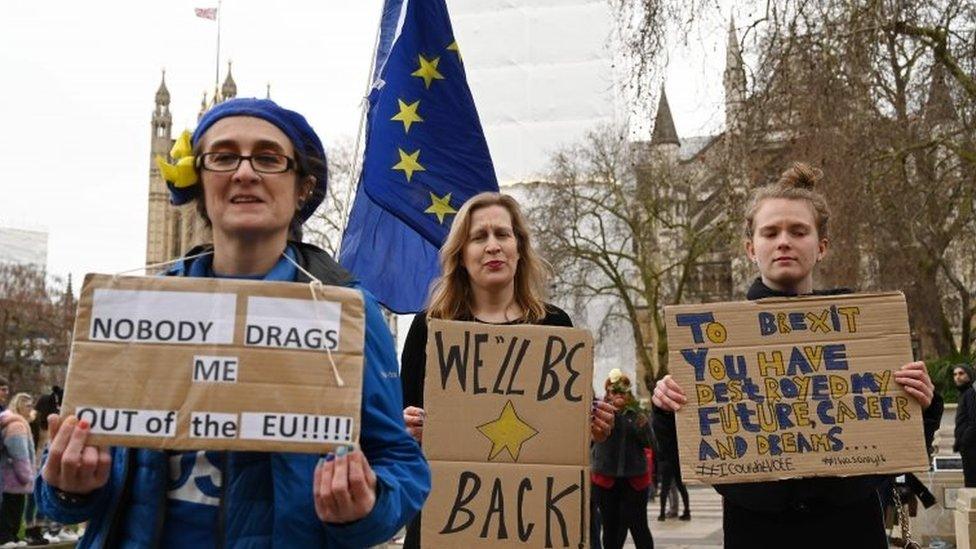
(216, 364)
(799, 387)
(508, 412)
(495, 505)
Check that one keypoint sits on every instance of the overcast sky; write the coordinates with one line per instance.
(79, 78)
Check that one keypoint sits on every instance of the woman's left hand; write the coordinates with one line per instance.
(344, 487)
(914, 378)
(601, 420)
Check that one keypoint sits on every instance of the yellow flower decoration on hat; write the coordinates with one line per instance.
(615, 375)
(181, 174)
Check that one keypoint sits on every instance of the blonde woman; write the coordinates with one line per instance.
(16, 466)
(490, 273)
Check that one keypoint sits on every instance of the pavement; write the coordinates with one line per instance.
(703, 531)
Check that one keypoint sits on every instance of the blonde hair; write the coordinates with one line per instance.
(18, 401)
(796, 183)
(451, 296)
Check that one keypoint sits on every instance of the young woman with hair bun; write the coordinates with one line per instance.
(786, 236)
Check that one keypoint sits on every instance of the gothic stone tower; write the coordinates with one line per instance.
(163, 219)
(172, 230)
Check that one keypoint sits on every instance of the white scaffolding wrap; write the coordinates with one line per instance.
(541, 72)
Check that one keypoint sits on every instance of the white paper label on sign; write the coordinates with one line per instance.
(218, 369)
(118, 421)
(181, 318)
(295, 427)
(213, 425)
(292, 323)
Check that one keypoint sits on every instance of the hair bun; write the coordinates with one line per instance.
(800, 176)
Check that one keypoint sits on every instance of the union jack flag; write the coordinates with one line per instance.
(206, 13)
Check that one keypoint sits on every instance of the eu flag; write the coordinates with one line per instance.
(425, 155)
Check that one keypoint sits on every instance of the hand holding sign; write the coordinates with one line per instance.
(668, 394)
(72, 466)
(914, 377)
(344, 487)
(414, 418)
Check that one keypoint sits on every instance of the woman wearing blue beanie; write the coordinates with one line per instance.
(257, 172)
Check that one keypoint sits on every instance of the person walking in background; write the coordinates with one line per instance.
(669, 470)
(965, 443)
(4, 392)
(621, 481)
(16, 467)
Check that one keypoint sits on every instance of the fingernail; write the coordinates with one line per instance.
(321, 462)
(329, 457)
(341, 451)
(83, 424)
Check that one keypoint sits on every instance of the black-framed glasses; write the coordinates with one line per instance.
(229, 162)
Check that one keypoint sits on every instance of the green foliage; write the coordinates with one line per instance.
(940, 370)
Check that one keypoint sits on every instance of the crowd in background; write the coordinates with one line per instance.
(23, 431)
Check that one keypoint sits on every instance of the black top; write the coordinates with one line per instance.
(413, 361)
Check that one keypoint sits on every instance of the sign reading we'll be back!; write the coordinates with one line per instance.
(507, 435)
(798, 387)
(216, 364)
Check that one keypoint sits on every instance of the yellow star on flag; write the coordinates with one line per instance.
(454, 47)
(508, 432)
(428, 70)
(408, 114)
(440, 207)
(408, 163)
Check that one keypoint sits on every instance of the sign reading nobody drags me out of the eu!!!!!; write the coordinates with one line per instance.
(216, 364)
(797, 387)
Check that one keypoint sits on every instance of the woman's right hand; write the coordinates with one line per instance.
(668, 395)
(72, 466)
(414, 418)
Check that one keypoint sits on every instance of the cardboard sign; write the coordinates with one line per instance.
(800, 387)
(507, 435)
(216, 364)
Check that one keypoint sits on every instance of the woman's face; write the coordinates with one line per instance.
(491, 252)
(618, 399)
(244, 202)
(25, 408)
(785, 245)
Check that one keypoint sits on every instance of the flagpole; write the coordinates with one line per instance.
(217, 64)
(356, 161)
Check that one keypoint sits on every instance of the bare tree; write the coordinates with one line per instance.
(36, 319)
(860, 88)
(882, 95)
(635, 234)
(326, 226)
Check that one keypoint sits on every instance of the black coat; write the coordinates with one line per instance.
(810, 512)
(965, 431)
(622, 454)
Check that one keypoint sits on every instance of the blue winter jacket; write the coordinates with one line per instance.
(266, 498)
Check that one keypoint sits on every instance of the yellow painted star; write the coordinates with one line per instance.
(408, 114)
(508, 432)
(454, 47)
(428, 70)
(440, 207)
(408, 163)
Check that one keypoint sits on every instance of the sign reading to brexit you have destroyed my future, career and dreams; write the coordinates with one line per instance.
(216, 364)
(507, 435)
(794, 387)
